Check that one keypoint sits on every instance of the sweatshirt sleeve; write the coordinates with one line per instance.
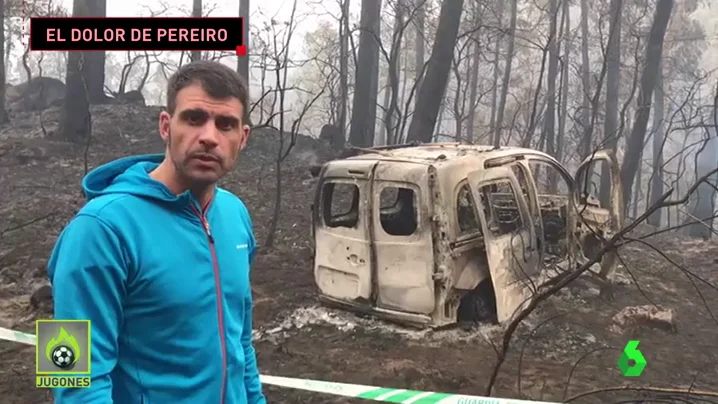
(252, 383)
(88, 272)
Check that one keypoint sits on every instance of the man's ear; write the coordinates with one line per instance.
(245, 136)
(164, 126)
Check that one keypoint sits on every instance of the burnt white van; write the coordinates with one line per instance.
(429, 234)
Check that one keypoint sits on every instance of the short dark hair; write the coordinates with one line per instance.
(218, 80)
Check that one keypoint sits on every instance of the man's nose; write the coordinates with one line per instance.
(209, 134)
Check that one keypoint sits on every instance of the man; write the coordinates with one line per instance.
(159, 257)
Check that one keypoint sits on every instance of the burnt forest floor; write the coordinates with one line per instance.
(296, 337)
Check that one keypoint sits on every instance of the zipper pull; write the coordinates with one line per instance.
(205, 223)
(206, 230)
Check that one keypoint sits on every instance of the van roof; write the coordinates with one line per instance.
(432, 153)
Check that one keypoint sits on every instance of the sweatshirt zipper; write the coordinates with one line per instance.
(218, 293)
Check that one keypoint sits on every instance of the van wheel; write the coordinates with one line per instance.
(478, 306)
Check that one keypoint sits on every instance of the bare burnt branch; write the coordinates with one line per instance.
(564, 279)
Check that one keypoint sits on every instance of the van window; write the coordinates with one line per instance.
(549, 180)
(501, 208)
(340, 204)
(398, 211)
(468, 223)
(522, 177)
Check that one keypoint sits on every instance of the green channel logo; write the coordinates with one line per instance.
(632, 363)
(63, 347)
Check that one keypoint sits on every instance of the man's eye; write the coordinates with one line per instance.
(225, 124)
(196, 119)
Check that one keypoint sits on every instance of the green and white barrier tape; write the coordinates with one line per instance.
(381, 394)
(385, 394)
(17, 336)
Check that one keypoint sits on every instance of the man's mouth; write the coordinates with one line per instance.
(208, 158)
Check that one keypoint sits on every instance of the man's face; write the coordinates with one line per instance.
(203, 136)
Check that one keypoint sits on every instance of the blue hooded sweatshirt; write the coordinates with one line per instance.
(166, 286)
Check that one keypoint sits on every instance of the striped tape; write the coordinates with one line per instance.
(381, 394)
(386, 395)
(17, 336)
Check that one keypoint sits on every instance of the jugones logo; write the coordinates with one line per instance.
(63, 353)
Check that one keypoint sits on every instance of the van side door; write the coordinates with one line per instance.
(342, 256)
(591, 223)
(509, 237)
(402, 239)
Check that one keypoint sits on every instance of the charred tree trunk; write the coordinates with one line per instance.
(563, 114)
(474, 77)
(439, 119)
(459, 104)
(343, 68)
(280, 75)
(243, 61)
(586, 140)
(363, 122)
(196, 13)
(4, 118)
(95, 61)
(382, 139)
(473, 89)
(702, 202)
(658, 135)
(497, 53)
(419, 23)
(507, 75)
(613, 84)
(391, 114)
(637, 189)
(549, 127)
(75, 116)
(654, 50)
(437, 74)
(8, 51)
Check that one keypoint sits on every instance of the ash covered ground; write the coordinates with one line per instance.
(296, 337)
